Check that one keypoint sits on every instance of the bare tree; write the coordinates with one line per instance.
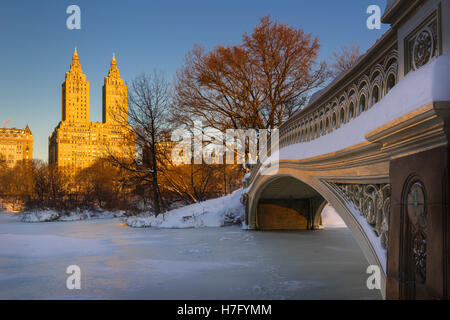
(41, 183)
(255, 84)
(149, 103)
(345, 59)
(101, 185)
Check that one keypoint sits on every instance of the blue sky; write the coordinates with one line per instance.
(36, 47)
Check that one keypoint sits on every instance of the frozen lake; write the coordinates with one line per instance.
(119, 262)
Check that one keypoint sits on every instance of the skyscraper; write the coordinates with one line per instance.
(76, 143)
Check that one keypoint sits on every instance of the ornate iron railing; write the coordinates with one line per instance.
(348, 96)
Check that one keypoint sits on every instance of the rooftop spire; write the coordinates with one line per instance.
(113, 71)
(75, 55)
(113, 61)
(75, 61)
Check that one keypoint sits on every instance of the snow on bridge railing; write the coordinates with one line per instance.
(344, 101)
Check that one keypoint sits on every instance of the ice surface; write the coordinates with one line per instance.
(118, 262)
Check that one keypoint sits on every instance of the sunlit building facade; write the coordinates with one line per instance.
(16, 145)
(76, 143)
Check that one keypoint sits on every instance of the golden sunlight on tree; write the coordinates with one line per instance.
(257, 83)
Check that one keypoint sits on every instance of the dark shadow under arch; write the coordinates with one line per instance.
(287, 203)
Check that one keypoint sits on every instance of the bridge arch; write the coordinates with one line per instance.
(285, 192)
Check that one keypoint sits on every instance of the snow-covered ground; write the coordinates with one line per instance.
(211, 213)
(51, 215)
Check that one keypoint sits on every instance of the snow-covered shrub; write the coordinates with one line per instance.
(77, 215)
(40, 216)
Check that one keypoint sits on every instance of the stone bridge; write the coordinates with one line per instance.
(374, 144)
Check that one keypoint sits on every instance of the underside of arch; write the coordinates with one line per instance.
(287, 203)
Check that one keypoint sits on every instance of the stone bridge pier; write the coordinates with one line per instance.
(419, 240)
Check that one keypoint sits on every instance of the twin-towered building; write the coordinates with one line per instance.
(76, 143)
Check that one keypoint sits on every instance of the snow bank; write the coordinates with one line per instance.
(429, 83)
(51, 215)
(211, 213)
(40, 216)
(331, 219)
